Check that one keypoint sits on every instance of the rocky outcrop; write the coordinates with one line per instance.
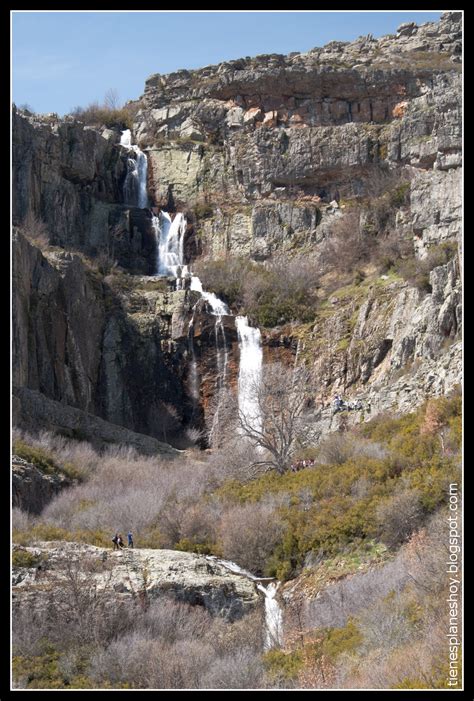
(388, 344)
(132, 574)
(115, 348)
(56, 339)
(274, 129)
(70, 178)
(35, 411)
(32, 488)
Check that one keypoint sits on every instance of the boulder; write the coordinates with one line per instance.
(129, 574)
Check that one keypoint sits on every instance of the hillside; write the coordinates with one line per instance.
(195, 277)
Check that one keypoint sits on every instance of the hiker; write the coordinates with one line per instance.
(130, 539)
(338, 402)
(115, 541)
(120, 542)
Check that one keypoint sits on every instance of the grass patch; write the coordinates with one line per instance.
(23, 558)
(45, 461)
(47, 532)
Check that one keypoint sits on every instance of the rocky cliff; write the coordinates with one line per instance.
(266, 156)
(70, 177)
(270, 153)
(255, 139)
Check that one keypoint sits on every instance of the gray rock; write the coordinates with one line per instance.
(121, 575)
(32, 488)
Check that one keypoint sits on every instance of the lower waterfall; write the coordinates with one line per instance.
(273, 610)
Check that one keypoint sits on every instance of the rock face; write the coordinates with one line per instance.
(34, 410)
(70, 177)
(115, 349)
(253, 137)
(74, 343)
(260, 154)
(32, 489)
(135, 574)
(371, 337)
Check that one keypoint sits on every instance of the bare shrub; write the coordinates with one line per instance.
(28, 628)
(349, 246)
(279, 292)
(384, 624)
(111, 99)
(391, 250)
(124, 491)
(399, 516)
(199, 525)
(173, 645)
(249, 534)
(109, 113)
(21, 520)
(425, 553)
(194, 435)
(241, 670)
(225, 277)
(336, 449)
(234, 459)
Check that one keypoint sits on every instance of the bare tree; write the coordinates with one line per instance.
(111, 99)
(273, 423)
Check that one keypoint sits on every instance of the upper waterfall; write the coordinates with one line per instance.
(135, 185)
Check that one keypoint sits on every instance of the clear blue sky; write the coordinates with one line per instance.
(65, 59)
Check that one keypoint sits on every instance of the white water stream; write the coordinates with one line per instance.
(273, 611)
(134, 187)
(250, 372)
(170, 261)
(170, 244)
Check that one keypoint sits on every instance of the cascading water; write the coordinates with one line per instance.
(250, 372)
(170, 246)
(134, 187)
(170, 255)
(273, 616)
(273, 611)
(218, 309)
(193, 374)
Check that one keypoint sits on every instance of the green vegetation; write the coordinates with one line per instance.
(45, 461)
(337, 641)
(44, 671)
(23, 558)
(107, 114)
(203, 210)
(273, 295)
(323, 512)
(417, 271)
(283, 665)
(47, 531)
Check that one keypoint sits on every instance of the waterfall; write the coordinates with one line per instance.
(249, 372)
(170, 245)
(218, 309)
(273, 611)
(194, 376)
(273, 616)
(134, 187)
